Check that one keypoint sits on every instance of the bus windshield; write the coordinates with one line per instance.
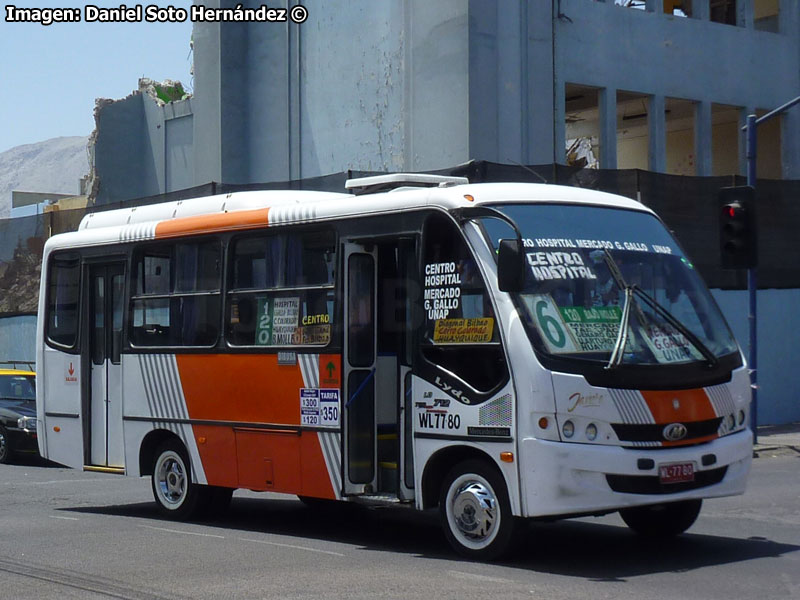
(590, 269)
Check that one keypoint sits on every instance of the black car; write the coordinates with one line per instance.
(17, 413)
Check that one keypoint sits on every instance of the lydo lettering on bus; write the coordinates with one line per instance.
(559, 265)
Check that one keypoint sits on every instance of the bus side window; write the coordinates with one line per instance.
(281, 289)
(62, 301)
(460, 328)
(176, 299)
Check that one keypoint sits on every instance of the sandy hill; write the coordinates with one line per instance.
(55, 165)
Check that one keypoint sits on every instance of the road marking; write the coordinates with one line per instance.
(476, 577)
(64, 518)
(292, 546)
(221, 537)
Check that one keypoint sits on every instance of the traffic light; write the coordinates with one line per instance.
(738, 242)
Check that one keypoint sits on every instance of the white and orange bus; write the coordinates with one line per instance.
(498, 351)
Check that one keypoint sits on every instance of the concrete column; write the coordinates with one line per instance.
(207, 103)
(657, 151)
(789, 17)
(544, 86)
(559, 122)
(293, 33)
(607, 113)
(702, 138)
(744, 13)
(701, 10)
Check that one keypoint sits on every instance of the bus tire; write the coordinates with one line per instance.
(217, 500)
(475, 511)
(662, 520)
(175, 494)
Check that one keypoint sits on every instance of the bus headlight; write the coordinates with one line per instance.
(568, 429)
(741, 418)
(591, 432)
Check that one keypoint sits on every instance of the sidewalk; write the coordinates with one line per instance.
(778, 440)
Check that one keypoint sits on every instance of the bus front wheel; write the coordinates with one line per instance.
(176, 496)
(662, 520)
(475, 511)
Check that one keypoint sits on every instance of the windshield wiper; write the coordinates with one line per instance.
(622, 336)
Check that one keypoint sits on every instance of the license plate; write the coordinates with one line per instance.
(676, 472)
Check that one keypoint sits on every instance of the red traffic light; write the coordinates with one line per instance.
(737, 228)
(734, 210)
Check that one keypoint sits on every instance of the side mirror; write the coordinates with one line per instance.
(510, 266)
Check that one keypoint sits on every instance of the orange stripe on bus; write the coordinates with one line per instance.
(685, 406)
(239, 219)
(254, 388)
(243, 388)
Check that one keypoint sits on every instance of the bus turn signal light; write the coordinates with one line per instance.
(507, 457)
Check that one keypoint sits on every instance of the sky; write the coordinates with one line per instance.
(51, 75)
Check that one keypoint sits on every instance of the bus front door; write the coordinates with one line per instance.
(103, 431)
(360, 363)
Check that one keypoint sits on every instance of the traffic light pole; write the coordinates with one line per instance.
(752, 283)
(752, 280)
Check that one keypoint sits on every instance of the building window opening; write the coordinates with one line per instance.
(583, 143)
(679, 8)
(723, 11)
(633, 136)
(766, 15)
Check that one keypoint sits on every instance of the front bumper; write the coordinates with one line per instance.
(22, 440)
(560, 478)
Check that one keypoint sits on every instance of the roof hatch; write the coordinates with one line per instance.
(392, 181)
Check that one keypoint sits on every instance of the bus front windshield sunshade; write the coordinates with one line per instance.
(584, 264)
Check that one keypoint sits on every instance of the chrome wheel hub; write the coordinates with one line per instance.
(171, 479)
(474, 511)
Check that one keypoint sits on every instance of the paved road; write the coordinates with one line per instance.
(69, 534)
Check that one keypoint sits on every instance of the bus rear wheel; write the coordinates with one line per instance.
(475, 511)
(176, 496)
(662, 520)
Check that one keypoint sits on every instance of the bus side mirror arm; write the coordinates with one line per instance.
(510, 265)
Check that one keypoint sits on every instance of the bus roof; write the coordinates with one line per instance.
(252, 209)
